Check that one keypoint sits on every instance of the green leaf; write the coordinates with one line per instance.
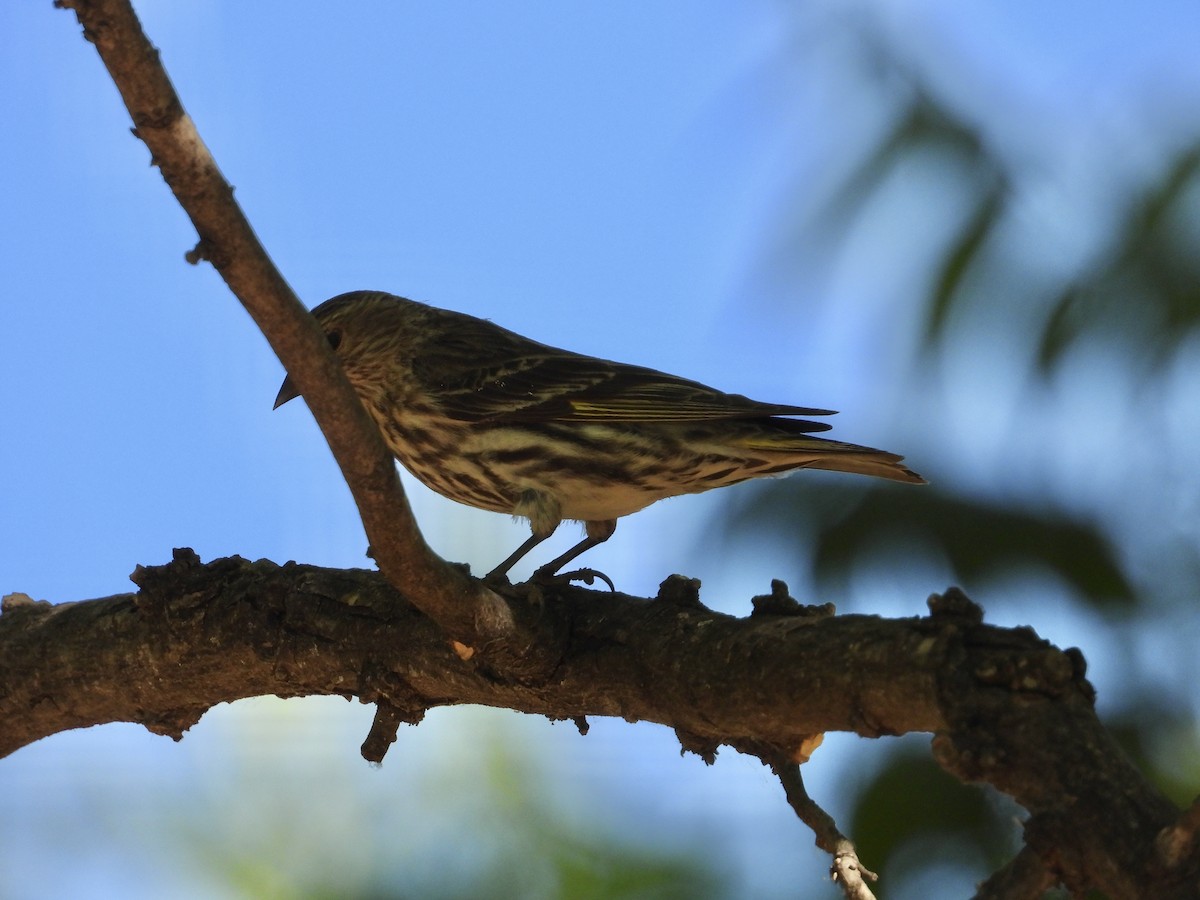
(961, 256)
(1145, 296)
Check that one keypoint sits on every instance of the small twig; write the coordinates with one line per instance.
(383, 732)
(846, 869)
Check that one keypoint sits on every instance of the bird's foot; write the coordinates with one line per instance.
(496, 578)
(587, 576)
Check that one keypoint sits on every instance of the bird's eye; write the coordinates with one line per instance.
(335, 338)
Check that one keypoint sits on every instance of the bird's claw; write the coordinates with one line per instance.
(587, 576)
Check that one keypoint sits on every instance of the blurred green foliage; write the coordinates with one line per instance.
(1144, 293)
(912, 800)
(847, 524)
(481, 819)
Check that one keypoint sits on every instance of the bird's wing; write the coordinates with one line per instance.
(519, 380)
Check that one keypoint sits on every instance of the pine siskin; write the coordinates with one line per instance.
(497, 421)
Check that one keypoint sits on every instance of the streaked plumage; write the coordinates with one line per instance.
(497, 421)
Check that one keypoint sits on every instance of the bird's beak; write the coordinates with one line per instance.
(286, 392)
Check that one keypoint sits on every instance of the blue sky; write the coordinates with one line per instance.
(606, 177)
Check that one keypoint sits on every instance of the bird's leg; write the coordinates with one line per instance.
(597, 533)
(502, 570)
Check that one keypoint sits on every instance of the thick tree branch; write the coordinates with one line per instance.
(196, 635)
(1006, 707)
(1024, 878)
(464, 608)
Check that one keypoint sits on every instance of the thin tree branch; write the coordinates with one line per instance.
(846, 869)
(466, 610)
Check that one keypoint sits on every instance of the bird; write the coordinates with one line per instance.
(495, 420)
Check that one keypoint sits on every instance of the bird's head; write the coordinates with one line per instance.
(356, 325)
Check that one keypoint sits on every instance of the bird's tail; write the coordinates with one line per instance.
(804, 451)
(862, 461)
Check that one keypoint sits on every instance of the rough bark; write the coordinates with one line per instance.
(1006, 707)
